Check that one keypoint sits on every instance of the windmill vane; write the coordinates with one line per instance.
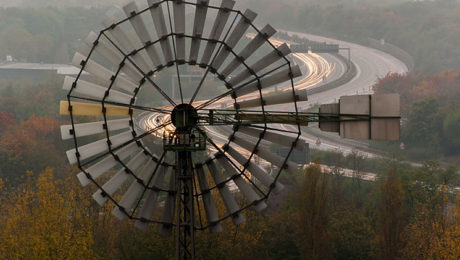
(167, 147)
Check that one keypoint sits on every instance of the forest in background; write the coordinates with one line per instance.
(429, 31)
(408, 213)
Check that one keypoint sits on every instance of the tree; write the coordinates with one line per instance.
(352, 234)
(451, 126)
(313, 216)
(6, 120)
(390, 216)
(424, 128)
(435, 231)
(397, 83)
(31, 145)
(46, 218)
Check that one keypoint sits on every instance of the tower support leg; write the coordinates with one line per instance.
(185, 233)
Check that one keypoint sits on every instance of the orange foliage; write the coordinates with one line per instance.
(442, 85)
(397, 83)
(445, 86)
(392, 18)
(32, 143)
(435, 233)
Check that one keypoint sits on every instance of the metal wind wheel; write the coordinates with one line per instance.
(175, 110)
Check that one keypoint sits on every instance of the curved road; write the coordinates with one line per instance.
(371, 65)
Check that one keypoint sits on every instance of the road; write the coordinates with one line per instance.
(371, 65)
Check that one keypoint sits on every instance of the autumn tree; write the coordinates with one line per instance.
(313, 237)
(390, 216)
(46, 218)
(397, 83)
(31, 145)
(435, 231)
(6, 120)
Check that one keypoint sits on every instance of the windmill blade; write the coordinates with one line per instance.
(87, 129)
(102, 74)
(277, 160)
(201, 11)
(208, 202)
(179, 29)
(95, 91)
(127, 201)
(169, 208)
(150, 202)
(265, 178)
(217, 29)
(264, 62)
(92, 109)
(103, 166)
(128, 44)
(234, 38)
(97, 147)
(111, 54)
(127, 68)
(274, 98)
(242, 184)
(227, 197)
(251, 48)
(273, 137)
(101, 196)
(131, 9)
(268, 81)
(162, 32)
(123, 61)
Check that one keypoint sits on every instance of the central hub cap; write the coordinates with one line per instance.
(184, 117)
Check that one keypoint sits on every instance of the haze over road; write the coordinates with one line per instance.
(371, 65)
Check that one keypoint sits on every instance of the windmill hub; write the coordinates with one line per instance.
(184, 117)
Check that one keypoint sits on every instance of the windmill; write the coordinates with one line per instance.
(167, 159)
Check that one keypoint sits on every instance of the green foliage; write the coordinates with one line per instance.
(353, 235)
(430, 110)
(44, 34)
(352, 161)
(424, 128)
(451, 128)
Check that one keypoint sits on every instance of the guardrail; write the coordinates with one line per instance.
(395, 51)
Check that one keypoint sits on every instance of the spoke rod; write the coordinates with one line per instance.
(157, 167)
(229, 92)
(135, 139)
(212, 61)
(175, 55)
(144, 75)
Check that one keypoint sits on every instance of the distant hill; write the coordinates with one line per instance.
(58, 3)
(104, 3)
